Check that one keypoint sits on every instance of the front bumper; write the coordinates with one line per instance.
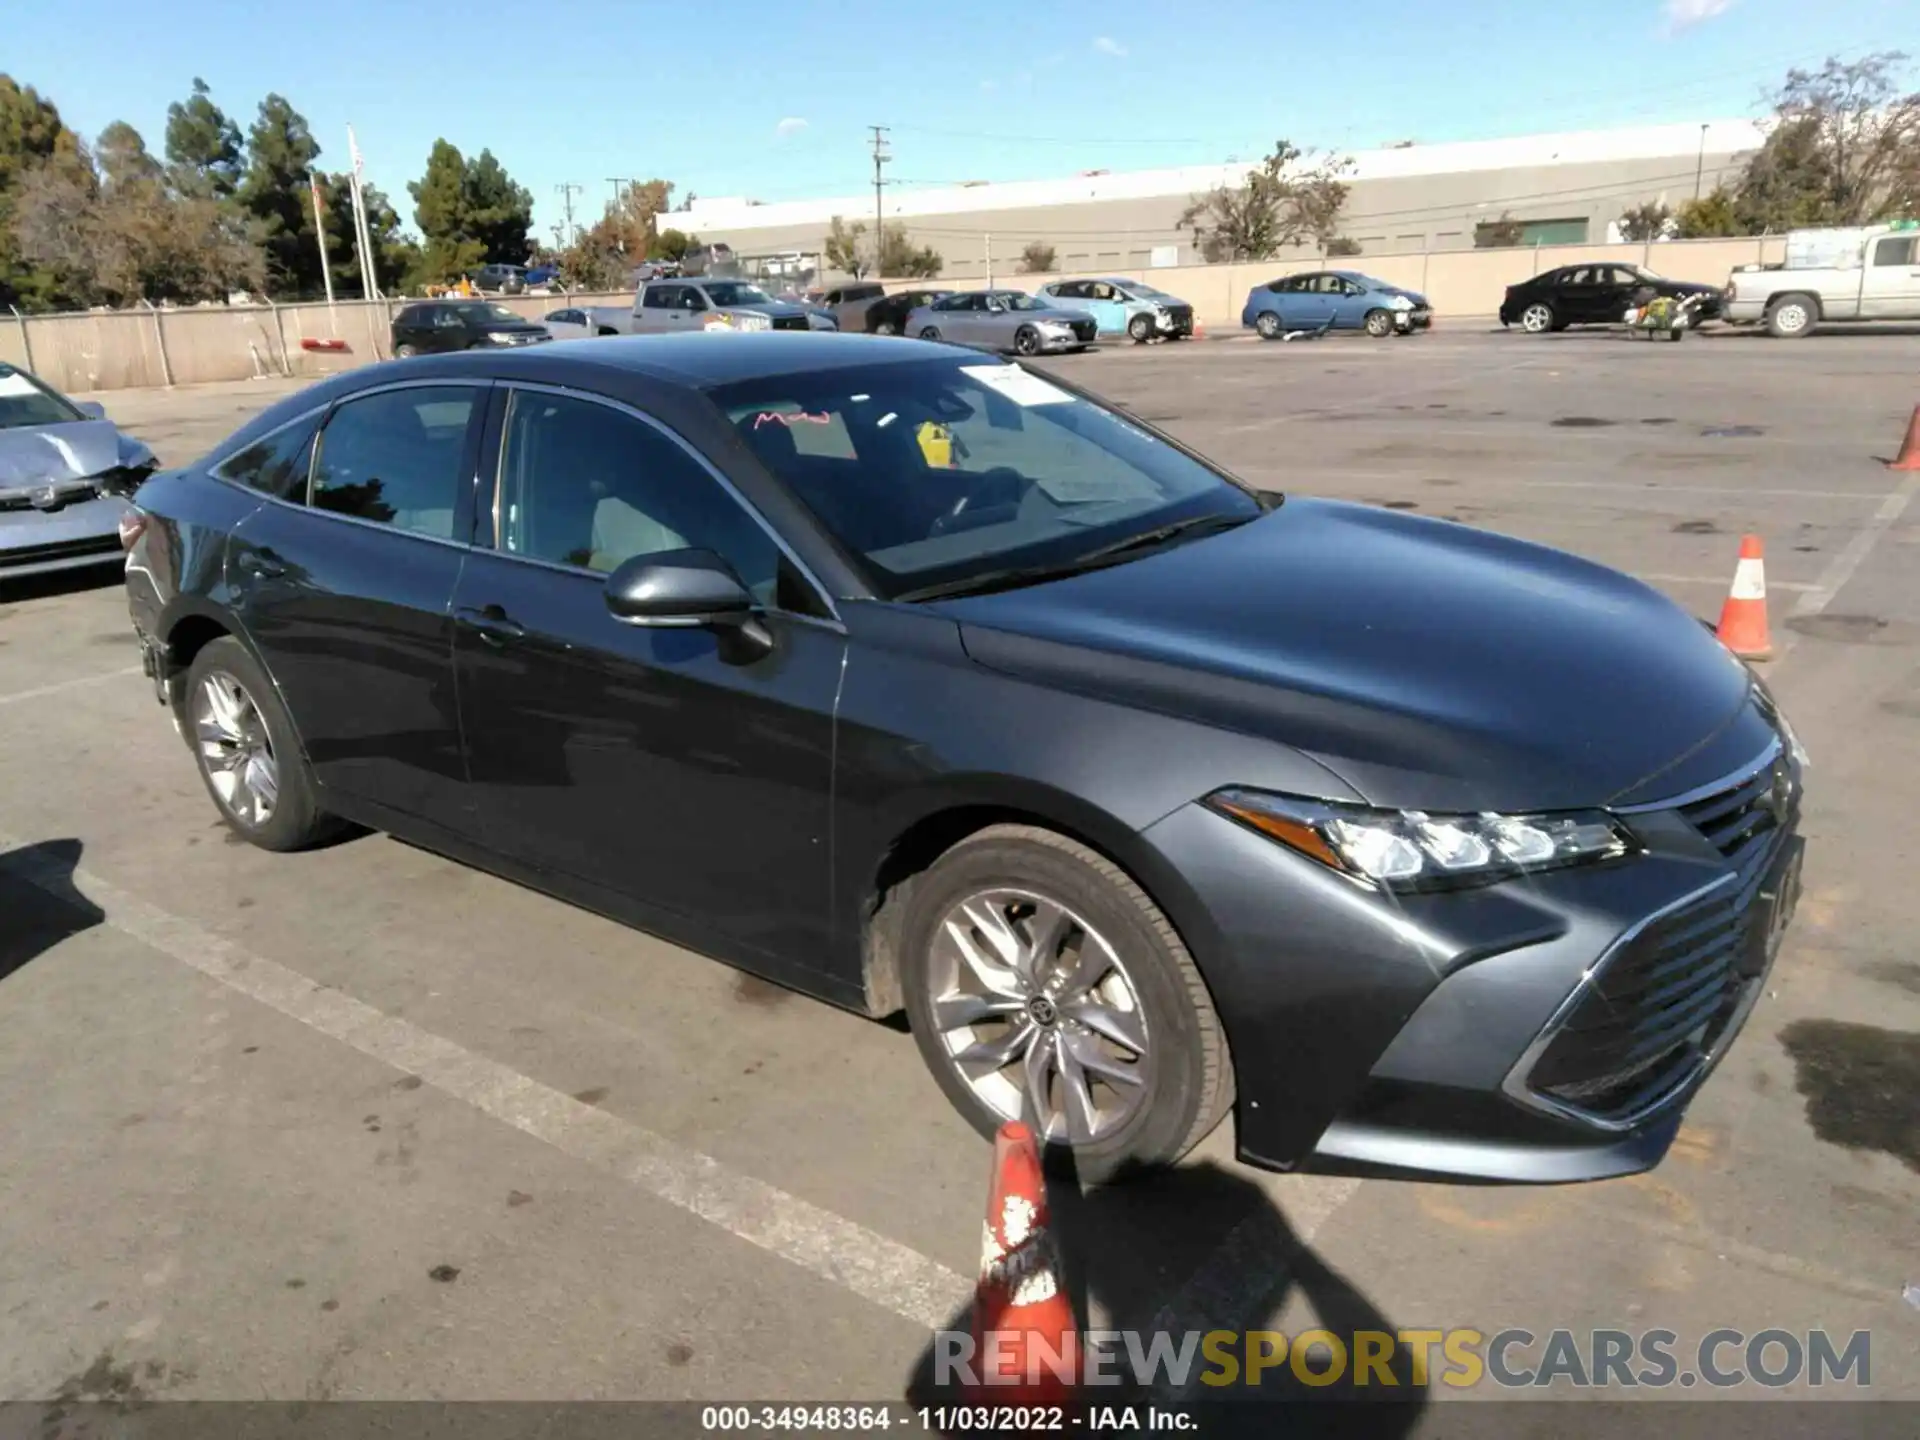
(1550, 1028)
(73, 537)
(1407, 321)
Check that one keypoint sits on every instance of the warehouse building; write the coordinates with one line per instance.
(1405, 199)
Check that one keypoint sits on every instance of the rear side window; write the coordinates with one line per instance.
(395, 458)
(276, 465)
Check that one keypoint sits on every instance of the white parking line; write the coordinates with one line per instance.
(42, 691)
(857, 1259)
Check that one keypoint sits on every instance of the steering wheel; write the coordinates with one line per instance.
(1000, 488)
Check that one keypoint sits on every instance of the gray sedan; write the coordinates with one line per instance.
(64, 474)
(1004, 320)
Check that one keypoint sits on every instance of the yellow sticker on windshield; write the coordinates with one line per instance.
(936, 444)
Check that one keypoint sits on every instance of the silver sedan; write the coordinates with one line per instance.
(65, 473)
(1007, 320)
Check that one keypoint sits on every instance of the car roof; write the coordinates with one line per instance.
(698, 361)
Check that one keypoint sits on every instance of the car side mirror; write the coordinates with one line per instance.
(92, 409)
(688, 589)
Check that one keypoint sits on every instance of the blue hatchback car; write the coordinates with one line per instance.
(1334, 300)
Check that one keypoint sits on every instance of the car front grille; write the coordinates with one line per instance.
(791, 322)
(1182, 317)
(101, 545)
(66, 492)
(1084, 330)
(1654, 1011)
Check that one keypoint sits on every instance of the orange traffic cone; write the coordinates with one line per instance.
(1909, 456)
(1743, 619)
(1199, 329)
(1026, 1348)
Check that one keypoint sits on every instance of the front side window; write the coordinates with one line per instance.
(586, 485)
(1894, 250)
(1025, 474)
(277, 464)
(25, 401)
(395, 458)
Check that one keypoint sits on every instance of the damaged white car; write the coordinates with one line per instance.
(65, 475)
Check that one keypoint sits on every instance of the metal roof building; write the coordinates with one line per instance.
(1562, 188)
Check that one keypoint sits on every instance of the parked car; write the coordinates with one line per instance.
(1869, 272)
(1005, 320)
(541, 277)
(1145, 794)
(888, 315)
(1126, 307)
(850, 302)
(437, 326)
(1335, 300)
(1595, 293)
(65, 474)
(666, 306)
(579, 323)
(499, 279)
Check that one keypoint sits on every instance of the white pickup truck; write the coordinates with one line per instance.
(1863, 272)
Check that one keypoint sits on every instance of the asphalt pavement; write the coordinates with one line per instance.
(364, 1123)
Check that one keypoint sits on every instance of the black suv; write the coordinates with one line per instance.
(438, 326)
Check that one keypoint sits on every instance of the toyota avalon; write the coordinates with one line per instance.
(1148, 797)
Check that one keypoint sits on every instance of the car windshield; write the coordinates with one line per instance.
(24, 402)
(733, 293)
(951, 474)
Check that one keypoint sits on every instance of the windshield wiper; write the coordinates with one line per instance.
(1016, 576)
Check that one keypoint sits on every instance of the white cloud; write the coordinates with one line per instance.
(1685, 14)
(792, 125)
(1107, 45)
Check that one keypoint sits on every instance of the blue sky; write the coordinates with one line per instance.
(771, 98)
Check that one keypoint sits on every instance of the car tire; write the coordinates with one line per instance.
(1140, 329)
(1026, 341)
(1791, 317)
(1145, 988)
(885, 327)
(930, 332)
(1538, 318)
(1267, 325)
(1378, 323)
(247, 752)
(405, 352)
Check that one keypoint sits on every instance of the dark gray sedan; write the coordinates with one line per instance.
(64, 473)
(1005, 320)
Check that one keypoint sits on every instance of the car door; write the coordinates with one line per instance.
(1614, 293)
(1580, 295)
(1306, 303)
(657, 307)
(1106, 304)
(643, 760)
(344, 588)
(414, 326)
(1890, 285)
(959, 318)
(1349, 301)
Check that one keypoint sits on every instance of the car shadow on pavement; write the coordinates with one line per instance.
(20, 589)
(1199, 1249)
(39, 906)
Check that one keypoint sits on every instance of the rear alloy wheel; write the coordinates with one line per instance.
(930, 333)
(1026, 340)
(405, 352)
(1267, 325)
(1044, 986)
(885, 327)
(1140, 328)
(248, 755)
(1379, 324)
(1537, 318)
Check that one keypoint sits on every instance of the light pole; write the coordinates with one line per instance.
(1700, 166)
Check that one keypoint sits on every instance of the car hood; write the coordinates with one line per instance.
(42, 453)
(511, 327)
(1414, 295)
(1429, 665)
(770, 308)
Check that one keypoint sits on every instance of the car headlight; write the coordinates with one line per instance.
(1400, 302)
(1414, 850)
(501, 337)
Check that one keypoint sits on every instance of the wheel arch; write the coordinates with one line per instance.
(921, 832)
(189, 631)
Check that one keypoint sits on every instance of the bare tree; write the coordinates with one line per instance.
(1501, 234)
(1037, 258)
(900, 257)
(1651, 221)
(1342, 245)
(1281, 202)
(1844, 147)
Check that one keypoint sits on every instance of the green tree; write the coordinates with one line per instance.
(274, 194)
(1711, 216)
(842, 250)
(1037, 258)
(203, 145)
(901, 258)
(673, 245)
(499, 211)
(1843, 141)
(396, 256)
(1650, 221)
(1501, 234)
(1281, 202)
(32, 135)
(469, 212)
(1342, 245)
(123, 157)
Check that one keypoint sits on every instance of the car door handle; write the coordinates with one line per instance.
(491, 623)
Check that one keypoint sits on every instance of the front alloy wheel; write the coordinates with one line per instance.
(1039, 1017)
(1379, 324)
(235, 750)
(1027, 340)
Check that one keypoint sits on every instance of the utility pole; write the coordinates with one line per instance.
(989, 240)
(567, 191)
(619, 184)
(880, 157)
(1700, 165)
